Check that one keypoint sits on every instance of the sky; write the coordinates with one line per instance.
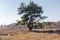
(9, 13)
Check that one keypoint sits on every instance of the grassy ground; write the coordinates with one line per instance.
(26, 35)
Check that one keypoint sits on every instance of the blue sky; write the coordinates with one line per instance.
(9, 13)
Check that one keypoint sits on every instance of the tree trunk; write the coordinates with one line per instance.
(30, 27)
(30, 24)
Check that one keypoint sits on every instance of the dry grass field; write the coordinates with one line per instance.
(26, 35)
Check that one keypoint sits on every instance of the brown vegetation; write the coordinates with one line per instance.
(24, 34)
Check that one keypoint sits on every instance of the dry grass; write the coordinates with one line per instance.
(25, 35)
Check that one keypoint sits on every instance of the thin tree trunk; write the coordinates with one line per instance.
(29, 26)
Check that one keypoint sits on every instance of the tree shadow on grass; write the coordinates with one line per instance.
(47, 31)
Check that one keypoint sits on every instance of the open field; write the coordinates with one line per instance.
(26, 35)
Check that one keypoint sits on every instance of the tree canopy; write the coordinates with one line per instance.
(30, 13)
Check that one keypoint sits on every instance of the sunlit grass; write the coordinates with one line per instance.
(26, 35)
(32, 36)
